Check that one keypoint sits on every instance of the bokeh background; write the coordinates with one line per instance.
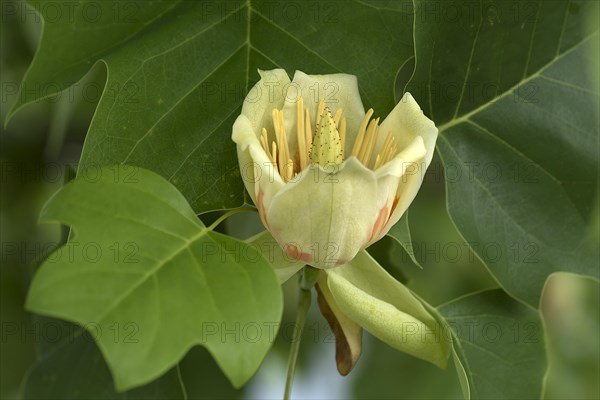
(40, 147)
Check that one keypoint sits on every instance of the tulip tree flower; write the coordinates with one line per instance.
(328, 180)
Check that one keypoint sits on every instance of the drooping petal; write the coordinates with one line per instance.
(372, 298)
(348, 334)
(337, 90)
(285, 266)
(325, 217)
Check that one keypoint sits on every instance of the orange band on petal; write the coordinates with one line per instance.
(261, 209)
(294, 252)
(379, 223)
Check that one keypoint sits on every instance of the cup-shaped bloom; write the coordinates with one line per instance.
(327, 178)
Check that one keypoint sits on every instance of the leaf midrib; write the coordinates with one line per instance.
(456, 121)
(152, 272)
(467, 119)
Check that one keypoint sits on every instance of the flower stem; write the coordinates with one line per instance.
(307, 281)
(309, 277)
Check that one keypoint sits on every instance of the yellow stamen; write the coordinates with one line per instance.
(289, 170)
(377, 161)
(361, 133)
(372, 141)
(276, 126)
(392, 152)
(337, 116)
(264, 140)
(308, 130)
(365, 143)
(382, 152)
(286, 148)
(330, 138)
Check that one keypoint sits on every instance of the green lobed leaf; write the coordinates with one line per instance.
(175, 87)
(385, 374)
(75, 369)
(507, 86)
(498, 346)
(70, 366)
(140, 262)
(98, 27)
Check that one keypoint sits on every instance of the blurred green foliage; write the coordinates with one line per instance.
(47, 136)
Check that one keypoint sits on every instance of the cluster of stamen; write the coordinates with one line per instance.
(289, 165)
